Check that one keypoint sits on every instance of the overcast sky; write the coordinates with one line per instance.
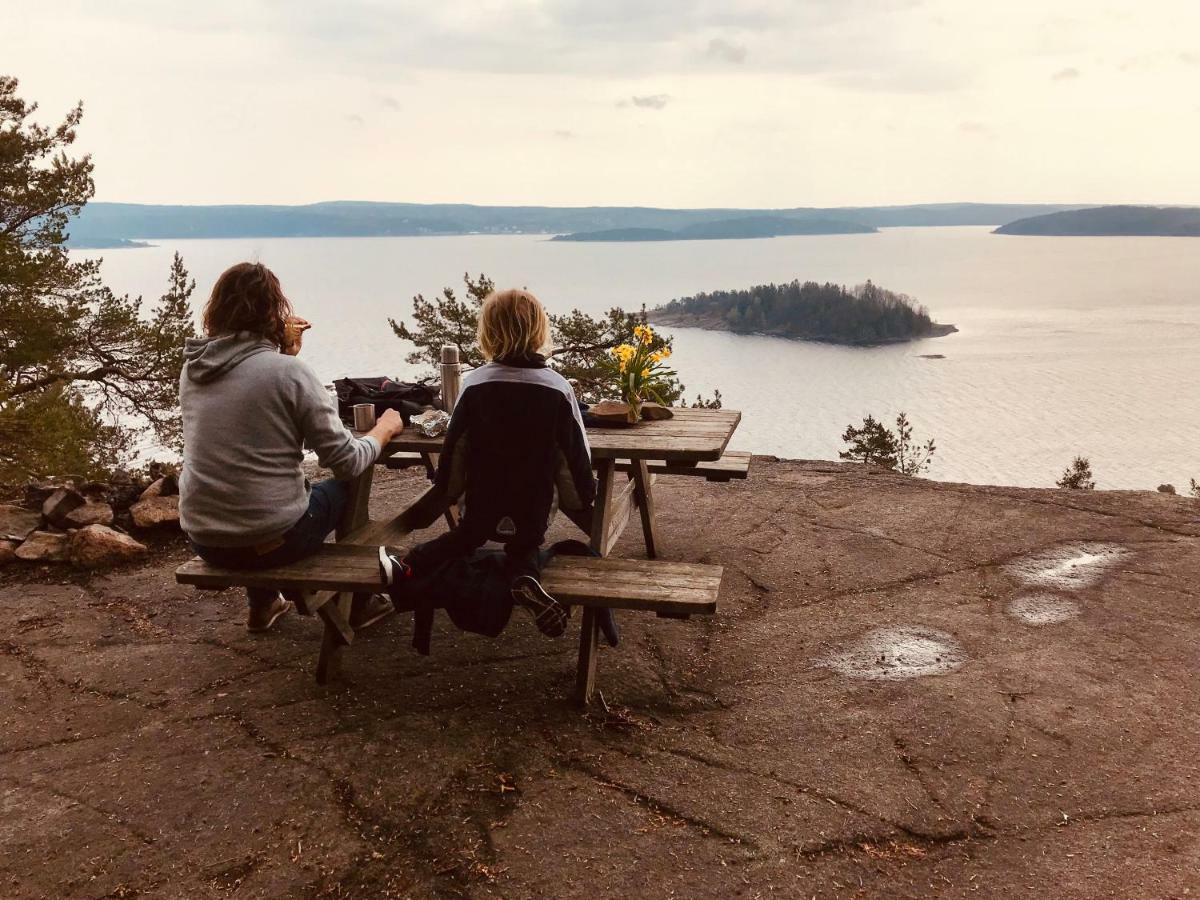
(758, 103)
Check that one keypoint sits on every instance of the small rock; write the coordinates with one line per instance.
(42, 546)
(90, 514)
(16, 523)
(8, 552)
(96, 491)
(36, 492)
(167, 486)
(1166, 489)
(60, 503)
(154, 512)
(98, 545)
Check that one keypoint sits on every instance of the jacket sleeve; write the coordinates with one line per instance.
(573, 444)
(336, 447)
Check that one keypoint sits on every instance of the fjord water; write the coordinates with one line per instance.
(1066, 346)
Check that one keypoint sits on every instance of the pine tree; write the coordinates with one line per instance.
(83, 371)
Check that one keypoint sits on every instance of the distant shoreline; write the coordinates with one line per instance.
(1110, 221)
(108, 244)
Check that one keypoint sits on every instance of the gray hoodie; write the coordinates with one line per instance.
(248, 413)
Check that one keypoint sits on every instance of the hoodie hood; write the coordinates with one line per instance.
(207, 359)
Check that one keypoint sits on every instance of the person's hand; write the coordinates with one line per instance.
(293, 334)
(392, 422)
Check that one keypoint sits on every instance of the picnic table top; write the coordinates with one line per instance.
(693, 435)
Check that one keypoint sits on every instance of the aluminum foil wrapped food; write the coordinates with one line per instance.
(431, 423)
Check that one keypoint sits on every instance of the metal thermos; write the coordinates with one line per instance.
(451, 377)
(364, 416)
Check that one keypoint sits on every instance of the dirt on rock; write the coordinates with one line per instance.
(150, 747)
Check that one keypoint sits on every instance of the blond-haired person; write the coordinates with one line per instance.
(515, 451)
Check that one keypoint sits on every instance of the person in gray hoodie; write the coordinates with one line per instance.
(250, 409)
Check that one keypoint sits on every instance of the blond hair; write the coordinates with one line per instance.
(512, 324)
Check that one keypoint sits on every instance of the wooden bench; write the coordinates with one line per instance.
(329, 580)
(733, 464)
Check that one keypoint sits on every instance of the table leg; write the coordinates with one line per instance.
(358, 509)
(589, 633)
(335, 610)
(643, 494)
(431, 460)
(338, 635)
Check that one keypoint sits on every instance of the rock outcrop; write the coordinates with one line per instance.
(98, 546)
(155, 511)
(60, 504)
(43, 546)
(17, 523)
(90, 513)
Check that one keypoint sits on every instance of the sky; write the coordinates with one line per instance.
(678, 103)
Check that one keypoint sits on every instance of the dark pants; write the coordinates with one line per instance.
(521, 557)
(326, 502)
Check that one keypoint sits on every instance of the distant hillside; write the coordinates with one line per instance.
(723, 229)
(867, 314)
(1163, 221)
(130, 221)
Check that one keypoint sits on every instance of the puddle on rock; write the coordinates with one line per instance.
(1068, 567)
(901, 651)
(1043, 609)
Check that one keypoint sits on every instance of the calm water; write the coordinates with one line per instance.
(1066, 345)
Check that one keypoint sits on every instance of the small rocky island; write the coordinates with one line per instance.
(831, 313)
(725, 229)
(1122, 221)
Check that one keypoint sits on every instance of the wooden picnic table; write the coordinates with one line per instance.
(691, 437)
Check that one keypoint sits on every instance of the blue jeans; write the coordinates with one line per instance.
(326, 502)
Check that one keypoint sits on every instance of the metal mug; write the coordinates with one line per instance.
(364, 416)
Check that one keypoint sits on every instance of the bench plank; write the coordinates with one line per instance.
(734, 464)
(578, 580)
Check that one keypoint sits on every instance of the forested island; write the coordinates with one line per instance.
(1148, 221)
(864, 315)
(725, 229)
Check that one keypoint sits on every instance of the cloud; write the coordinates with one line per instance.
(564, 134)
(1192, 59)
(389, 103)
(356, 119)
(649, 101)
(1068, 74)
(726, 51)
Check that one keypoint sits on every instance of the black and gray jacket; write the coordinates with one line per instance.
(515, 451)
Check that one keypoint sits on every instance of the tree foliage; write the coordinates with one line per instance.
(82, 370)
(580, 342)
(874, 443)
(1078, 476)
(867, 314)
(1195, 488)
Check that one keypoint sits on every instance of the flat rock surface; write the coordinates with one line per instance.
(910, 689)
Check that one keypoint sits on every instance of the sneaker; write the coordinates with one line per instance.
(548, 614)
(262, 618)
(370, 610)
(392, 567)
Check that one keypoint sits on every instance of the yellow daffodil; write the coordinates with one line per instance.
(643, 333)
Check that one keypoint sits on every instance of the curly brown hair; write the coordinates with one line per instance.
(247, 297)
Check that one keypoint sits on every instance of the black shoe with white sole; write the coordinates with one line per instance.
(392, 567)
(549, 615)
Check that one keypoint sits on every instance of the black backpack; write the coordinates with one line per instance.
(408, 399)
